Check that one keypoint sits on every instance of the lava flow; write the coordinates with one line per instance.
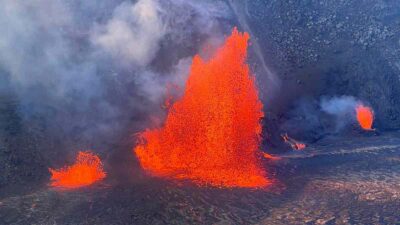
(296, 145)
(270, 157)
(86, 170)
(365, 116)
(212, 133)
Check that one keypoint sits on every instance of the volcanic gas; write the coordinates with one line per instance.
(365, 116)
(211, 135)
(86, 170)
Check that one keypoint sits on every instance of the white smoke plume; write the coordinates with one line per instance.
(342, 108)
(93, 69)
(133, 33)
(343, 105)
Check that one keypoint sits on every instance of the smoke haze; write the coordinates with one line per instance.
(90, 71)
(133, 34)
(342, 108)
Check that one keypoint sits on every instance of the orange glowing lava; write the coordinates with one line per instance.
(270, 157)
(296, 145)
(212, 133)
(86, 170)
(365, 116)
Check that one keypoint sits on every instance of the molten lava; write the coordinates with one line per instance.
(212, 133)
(365, 116)
(270, 157)
(86, 170)
(296, 145)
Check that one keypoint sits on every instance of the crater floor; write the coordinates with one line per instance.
(337, 181)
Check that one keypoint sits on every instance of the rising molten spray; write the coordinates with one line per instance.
(86, 170)
(365, 116)
(212, 134)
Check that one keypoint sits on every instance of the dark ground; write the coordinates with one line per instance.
(326, 48)
(333, 48)
(342, 181)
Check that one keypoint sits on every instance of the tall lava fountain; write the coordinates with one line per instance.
(212, 133)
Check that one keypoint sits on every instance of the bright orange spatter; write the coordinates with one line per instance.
(365, 116)
(212, 134)
(86, 170)
(296, 145)
(270, 157)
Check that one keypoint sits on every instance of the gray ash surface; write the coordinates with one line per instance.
(343, 181)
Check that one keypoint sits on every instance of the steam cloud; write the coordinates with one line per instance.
(312, 119)
(92, 70)
(133, 33)
(342, 108)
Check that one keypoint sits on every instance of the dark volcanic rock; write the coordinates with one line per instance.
(21, 158)
(330, 48)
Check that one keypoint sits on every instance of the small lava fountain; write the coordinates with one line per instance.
(86, 170)
(365, 116)
(212, 133)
